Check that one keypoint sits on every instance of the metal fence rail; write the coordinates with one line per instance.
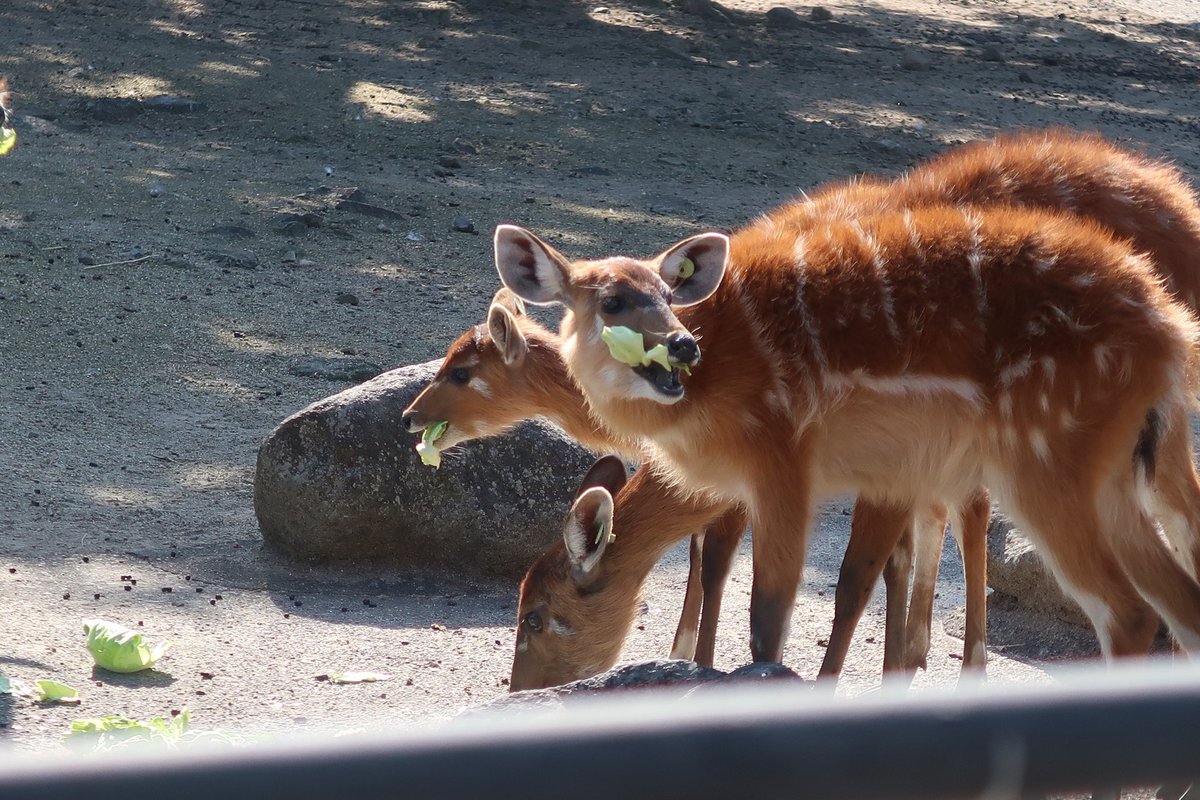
(1128, 726)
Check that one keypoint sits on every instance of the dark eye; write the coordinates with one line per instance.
(612, 304)
(460, 375)
(533, 621)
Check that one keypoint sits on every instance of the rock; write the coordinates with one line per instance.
(230, 231)
(590, 170)
(463, 224)
(463, 146)
(112, 109)
(368, 210)
(704, 8)
(914, 61)
(173, 105)
(336, 369)
(346, 299)
(684, 678)
(244, 259)
(820, 14)
(1015, 569)
(991, 53)
(341, 480)
(449, 162)
(782, 18)
(87, 259)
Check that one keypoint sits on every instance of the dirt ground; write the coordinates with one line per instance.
(154, 292)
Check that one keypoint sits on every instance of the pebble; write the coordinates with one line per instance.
(449, 162)
(463, 224)
(245, 259)
(991, 53)
(781, 17)
(914, 61)
(354, 370)
(821, 14)
(347, 299)
(87, 259)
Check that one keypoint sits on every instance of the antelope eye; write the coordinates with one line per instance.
(612, 304)
(460, 375)
(533, 621)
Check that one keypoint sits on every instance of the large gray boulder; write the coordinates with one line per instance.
(340, 481)
(1016, 570)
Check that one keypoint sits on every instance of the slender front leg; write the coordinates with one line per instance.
(970, 530)
(684, 646)
(875, 531)
(897, 576)
(721, 542)
(780, 523)
(929, 533)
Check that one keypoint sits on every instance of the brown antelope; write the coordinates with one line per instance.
(510, 369)
(906, 355)
(1142, 199)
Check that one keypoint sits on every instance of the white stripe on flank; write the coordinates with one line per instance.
(975, 260)
(806, 320)
(1041, 448)
(764, 347)
(885, 288)
(1015, 370)
(907, 384)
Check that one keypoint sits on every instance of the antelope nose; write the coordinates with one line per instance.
(682, 348)
(409, 421)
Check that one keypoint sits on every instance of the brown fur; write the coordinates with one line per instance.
(972, 328)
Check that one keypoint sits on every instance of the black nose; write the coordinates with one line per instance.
(682, 348)
(407, 421)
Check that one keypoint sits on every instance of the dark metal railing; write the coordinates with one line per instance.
(1132, 725)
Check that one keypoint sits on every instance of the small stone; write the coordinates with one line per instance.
(465, 147)
(230, 231)
(244, 259)
(914, 61)
(413, 236)
(87, 260)
(820, 14)
(336, 369)
(289, 257)
(1025, 77)
(991, 53)
(156, 189)
(463, 224)
(347, 299)
(173, 105)
(449, 162)
(438, 172)
(780, 17)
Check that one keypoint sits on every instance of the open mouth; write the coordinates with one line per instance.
(665, 381)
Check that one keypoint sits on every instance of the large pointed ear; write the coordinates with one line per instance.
(607, 472)
(506, 333)
(586, 533)
(533, 270)
(513, 304)
(694, 267)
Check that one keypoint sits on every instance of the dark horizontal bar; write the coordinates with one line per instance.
(1129, 726)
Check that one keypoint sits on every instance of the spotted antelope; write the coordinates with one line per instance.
(909, 356)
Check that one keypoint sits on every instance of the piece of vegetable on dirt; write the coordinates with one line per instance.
(119, 649)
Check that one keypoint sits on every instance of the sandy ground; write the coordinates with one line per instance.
(153, 298)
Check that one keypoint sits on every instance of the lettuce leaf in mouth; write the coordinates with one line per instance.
(119, 649)
(8, 140)
(627, 346)
(427, 449)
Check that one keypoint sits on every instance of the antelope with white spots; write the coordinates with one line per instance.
(906, 355)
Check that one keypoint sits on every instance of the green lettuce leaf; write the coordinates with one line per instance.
(8, 140)
(628, 347)
(119, 649)
(54, 692)
(427, 449)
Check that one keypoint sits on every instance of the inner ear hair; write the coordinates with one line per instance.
(506, 333)
(509, 301)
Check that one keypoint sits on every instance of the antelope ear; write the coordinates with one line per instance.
(533, 270)
(513, 304)
(694, 267)
(607, 472)
(586, 533)
(506, 333)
